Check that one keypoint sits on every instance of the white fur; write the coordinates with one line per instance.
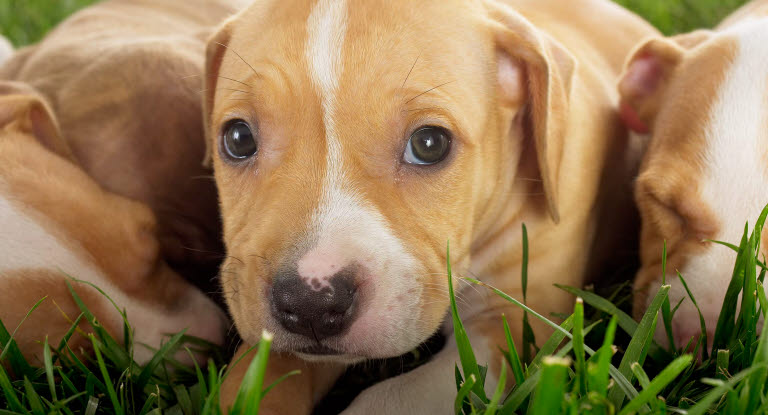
(735, 184)
(27, 243)
(345, 228)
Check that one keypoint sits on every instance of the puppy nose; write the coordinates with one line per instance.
(313, 308)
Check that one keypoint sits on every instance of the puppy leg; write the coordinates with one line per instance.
(295, 395)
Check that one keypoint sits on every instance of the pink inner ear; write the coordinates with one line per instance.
(641, 81)
(510, 80)
(643, 76)
(632, 119)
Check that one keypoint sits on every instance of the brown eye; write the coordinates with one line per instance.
(428, 145)
(238, 140)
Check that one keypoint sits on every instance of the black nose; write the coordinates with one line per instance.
(317, 311)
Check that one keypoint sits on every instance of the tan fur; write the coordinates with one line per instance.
(678, 113)
(123, 77)
(537, 160)
(113, 236)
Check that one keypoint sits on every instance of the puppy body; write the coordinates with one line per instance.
(331, 92)
(704, 99)
(58, 223)
(123, 77)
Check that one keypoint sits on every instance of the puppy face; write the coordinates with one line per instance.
(349, 147)
(58, 222)
(705, 102)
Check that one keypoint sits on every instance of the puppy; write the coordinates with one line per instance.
(352, 140)
(123, 77)
(703, 98)
(58, 223)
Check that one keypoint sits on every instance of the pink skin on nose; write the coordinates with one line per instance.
(317, 267)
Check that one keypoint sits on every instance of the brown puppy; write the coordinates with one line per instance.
(703, 97)
(123, 79)
(57, 222)
(352, 139)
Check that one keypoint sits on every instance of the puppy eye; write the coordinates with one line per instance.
(238, 140)
(428, 145)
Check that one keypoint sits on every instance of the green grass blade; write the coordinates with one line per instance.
(600, 375)
(496, 398)
(627, 323)
(578, 346)
(703, 406)
(550, 392)
(250, 393)
(641, 337)
(159, 356)
(33, 398)
(12, 400)
(727, 320)
(280, 380)
(623, 383)
(702, 323)
(466, 354)
(48, 362)
(464, 391)
(723, 357)
(666, 312)
(512, 357)
(663, 379)
(107, 380)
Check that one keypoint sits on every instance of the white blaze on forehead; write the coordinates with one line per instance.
(326, 30)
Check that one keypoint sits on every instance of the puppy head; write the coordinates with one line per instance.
(704, 100)
(349, 145)
(58, 222)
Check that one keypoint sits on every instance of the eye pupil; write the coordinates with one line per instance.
(239, 142)
(428, 145)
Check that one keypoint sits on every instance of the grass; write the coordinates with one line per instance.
(567, 376)
(110, 381)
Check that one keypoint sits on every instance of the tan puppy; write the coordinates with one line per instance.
(703, 97)
(123, 77)
(351, 140)
(58, 222)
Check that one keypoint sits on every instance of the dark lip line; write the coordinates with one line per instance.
(319, 350)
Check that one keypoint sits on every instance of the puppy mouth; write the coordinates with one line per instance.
(319, 350)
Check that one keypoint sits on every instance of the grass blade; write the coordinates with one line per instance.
(466, 354)
(659, 382)
(639, 340)
(550, 392)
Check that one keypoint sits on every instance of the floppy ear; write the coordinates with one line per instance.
(549, 70)
(647, 75)
(214, 54)
(22, 109)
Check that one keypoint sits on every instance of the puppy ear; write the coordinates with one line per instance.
(530, 59)
(214, 55)
(24, 110)
(647, 75)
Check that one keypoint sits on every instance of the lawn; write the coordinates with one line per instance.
(578, 370)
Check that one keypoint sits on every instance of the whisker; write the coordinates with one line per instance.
(241, 58)
(409, 72)
(429, 90)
